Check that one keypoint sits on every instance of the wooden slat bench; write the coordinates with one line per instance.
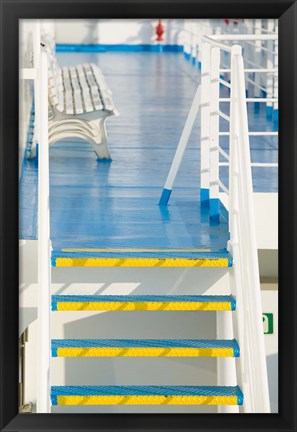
(79, 104)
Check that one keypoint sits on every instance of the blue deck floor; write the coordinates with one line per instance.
(115, 205)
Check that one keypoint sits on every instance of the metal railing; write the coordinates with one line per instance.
(259, 40)
(212, 114)
(251, 368)
(38, 72)
(244, 275)
(44, 245)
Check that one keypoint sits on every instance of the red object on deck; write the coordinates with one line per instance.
(160, 31)
(235, 21)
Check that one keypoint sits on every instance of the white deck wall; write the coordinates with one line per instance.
(140, 31)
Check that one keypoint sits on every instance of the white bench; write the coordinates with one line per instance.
(79, 103)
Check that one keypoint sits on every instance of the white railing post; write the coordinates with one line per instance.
(269, 65)
(205, 125)
(251, 368)
(44, 267)
(275, 77)
(36, 51)
(194, 44)
(187, 40)
(244, 276)
(253, 303)
(257, 57)
(226, 369)
(214, 134)
(233, 245)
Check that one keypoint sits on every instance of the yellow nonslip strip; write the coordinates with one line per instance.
(144, 352)
(147, 306)
(141, 262)
(146, 400)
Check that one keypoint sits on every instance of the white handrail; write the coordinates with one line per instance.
(244, 37)
(262, 48)
(264, 133)
(44, 273)
(268, 54)
(210, 111)
(244, 275)
(215, 43)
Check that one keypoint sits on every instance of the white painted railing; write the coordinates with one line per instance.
(259, 40)
(38, 72)
(213, 80)
(244, 275)
(250, 370)
(44, 245)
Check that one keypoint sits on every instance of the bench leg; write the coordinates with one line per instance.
(99, 145)
(93, 131)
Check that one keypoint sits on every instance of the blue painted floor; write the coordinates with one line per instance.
(115, 205)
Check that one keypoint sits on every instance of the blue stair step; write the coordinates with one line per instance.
(88, 257)
(143, 302)
(144, 348)
(146, 395)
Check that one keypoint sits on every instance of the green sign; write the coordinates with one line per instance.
(267, 323)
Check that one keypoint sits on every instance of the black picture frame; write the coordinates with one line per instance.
(11, 12)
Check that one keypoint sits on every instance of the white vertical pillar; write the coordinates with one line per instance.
(44, 267)
(187, 39)
(193, 42)
(275, 76)
(205, 124)
(36, 61)
(269, 65)
(244, 275)
(214, 134)
(233, 246)
(257, 58)
(226, 370)
(257, 376)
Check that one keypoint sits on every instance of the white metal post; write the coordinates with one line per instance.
(257, 58)
(44, 267)
(251, 286)
(269, 65)
(226, 370)
(187, 39)
(233, 245)
(275, 76)
(214, 134)
(194, 43)
(205, 124)
(36, 51)
(244, 275)
(181, 148)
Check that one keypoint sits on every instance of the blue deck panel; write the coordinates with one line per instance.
(115, 204)
(127, 343)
